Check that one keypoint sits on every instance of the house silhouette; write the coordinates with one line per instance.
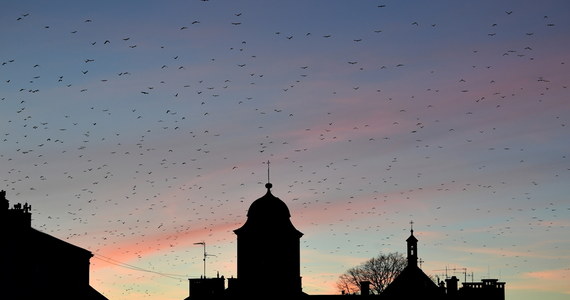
(36, 265)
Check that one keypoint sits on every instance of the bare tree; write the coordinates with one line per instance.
(380, 271)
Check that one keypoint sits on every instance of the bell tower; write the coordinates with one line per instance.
(268, 250)
(412, 247)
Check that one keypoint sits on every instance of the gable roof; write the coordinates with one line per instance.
(412, 281)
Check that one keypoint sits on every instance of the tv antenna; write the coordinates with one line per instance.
(456, 270)
(205, 255)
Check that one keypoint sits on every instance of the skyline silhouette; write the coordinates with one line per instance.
(137, 129)
(267, 238)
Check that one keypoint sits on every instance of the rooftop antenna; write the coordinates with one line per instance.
(205, 255)
(464, 270)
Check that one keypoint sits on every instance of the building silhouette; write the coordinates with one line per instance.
(36, 265)
(268, 255)
(412, 281)
(268, 264)
(268, 249)
(488, 289)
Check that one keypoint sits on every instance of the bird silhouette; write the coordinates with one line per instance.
(364, 118)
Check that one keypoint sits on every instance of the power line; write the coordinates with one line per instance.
(135, 268)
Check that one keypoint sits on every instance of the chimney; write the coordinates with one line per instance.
(5, 202)
(365, 288)
(17, 217)
(452, 286)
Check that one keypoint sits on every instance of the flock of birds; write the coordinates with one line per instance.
(135, 148)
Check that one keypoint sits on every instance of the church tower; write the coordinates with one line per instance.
(412, 248)
(412, 282)
(268, 250)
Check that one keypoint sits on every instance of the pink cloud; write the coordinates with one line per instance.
(133, 249)
(499, 252)
(546, 280)
(560, 274)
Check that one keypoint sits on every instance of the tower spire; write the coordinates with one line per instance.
(268, 181)
(268, 185)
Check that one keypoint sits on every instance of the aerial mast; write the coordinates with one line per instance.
(205, 255)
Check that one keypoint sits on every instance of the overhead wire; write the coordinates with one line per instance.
(135, 268)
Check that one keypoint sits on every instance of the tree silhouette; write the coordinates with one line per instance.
(380, 271)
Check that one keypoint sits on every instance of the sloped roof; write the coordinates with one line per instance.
(46, 241)
(412, 238)
(412, 281)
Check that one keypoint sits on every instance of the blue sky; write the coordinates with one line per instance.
(138, 128)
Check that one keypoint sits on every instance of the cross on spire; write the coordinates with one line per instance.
(412, 226)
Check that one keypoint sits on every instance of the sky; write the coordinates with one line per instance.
(136, 129)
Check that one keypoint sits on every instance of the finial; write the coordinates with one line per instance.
(268, 185)
(268, 181)
(412, 226)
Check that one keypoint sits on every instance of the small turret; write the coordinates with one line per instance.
(412, 247)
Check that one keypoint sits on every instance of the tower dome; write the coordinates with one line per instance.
(268, 238)
(268, 207)
(269, 214)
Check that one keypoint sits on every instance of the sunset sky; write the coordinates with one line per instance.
(138, 128)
